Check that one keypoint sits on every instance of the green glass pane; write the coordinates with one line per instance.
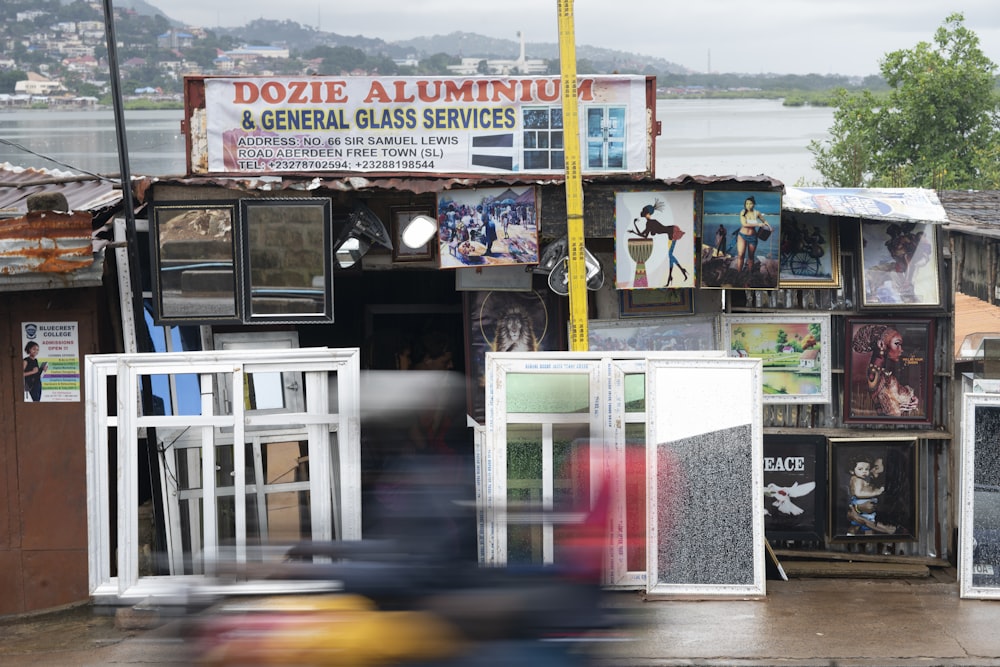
(524, 453)
(556, 393)
(524, 489)
(635, 392)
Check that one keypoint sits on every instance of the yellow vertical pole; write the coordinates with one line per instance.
(574, 185)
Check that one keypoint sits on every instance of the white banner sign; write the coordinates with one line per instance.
(477, 125)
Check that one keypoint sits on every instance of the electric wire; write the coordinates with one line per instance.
(14, 144)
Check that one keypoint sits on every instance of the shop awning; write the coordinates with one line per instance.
(888, 204)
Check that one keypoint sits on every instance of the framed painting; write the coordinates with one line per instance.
(655, 302)
(287, 253)
(502, 321)
(794, 349)
(873, 489)
(399, 218)
(889, 371)
(899, 265)
(979, 512)
(654, 239)
(195, 269)
(740, 239)
(657, 335)
(487, 227)
(795, 487)
(810, 252)
(495, 278)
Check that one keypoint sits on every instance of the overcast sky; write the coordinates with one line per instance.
(780, 36)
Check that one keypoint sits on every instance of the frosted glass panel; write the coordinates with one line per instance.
(555, 393)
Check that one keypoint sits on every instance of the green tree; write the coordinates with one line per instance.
(780, 340)
(938, 126)
(9, 79)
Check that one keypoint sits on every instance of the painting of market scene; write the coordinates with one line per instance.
(487, 227)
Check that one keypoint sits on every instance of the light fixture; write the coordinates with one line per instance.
(362, 230)
(419, 231)
(559, 275)
(350, 251)
(553, 252)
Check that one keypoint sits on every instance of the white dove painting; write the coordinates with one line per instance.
(794, 487)
(781, 496)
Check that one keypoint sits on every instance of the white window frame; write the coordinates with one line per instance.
(967, 504)
(607, 418)
(335, 471)
(680, 397)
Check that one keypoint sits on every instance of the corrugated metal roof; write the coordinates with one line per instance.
(975, 212)
(426, 184)
(83, 192)
(889, 204)
(36, 251)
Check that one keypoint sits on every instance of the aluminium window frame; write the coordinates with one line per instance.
(332, 494)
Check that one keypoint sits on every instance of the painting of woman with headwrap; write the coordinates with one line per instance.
(890, 368)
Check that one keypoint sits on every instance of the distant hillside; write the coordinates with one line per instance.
(454, 44)
(301, 38)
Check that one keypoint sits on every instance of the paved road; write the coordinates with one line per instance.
(804, 622)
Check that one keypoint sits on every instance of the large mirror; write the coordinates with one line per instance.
(194, 261)
(287, 256)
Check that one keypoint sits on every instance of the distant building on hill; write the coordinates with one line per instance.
(521, 65)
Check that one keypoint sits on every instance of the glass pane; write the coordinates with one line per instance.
(555, 118)
(543, 139)
(635, 392)
(594, 117)
(558, 159)
(557, 139)
(524, 489)
(570, 463)
(536, 119)
(531, 139)
(595, 155)
(536, 159)
(263, 391)
(616, 116)
(616, 154)
(557, 393)
(570, 489)
(635, 497)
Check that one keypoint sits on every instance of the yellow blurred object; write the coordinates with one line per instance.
(314, 603)
(335, 630)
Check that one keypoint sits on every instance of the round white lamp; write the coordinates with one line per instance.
(418, 231)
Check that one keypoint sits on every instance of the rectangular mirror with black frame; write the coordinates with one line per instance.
(195, 278)
(287, 252)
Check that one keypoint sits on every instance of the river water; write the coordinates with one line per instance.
(699, 137)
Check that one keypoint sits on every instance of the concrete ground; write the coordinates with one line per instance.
(805, 622)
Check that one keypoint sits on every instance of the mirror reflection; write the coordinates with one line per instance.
(194, 251)
(287, 258)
